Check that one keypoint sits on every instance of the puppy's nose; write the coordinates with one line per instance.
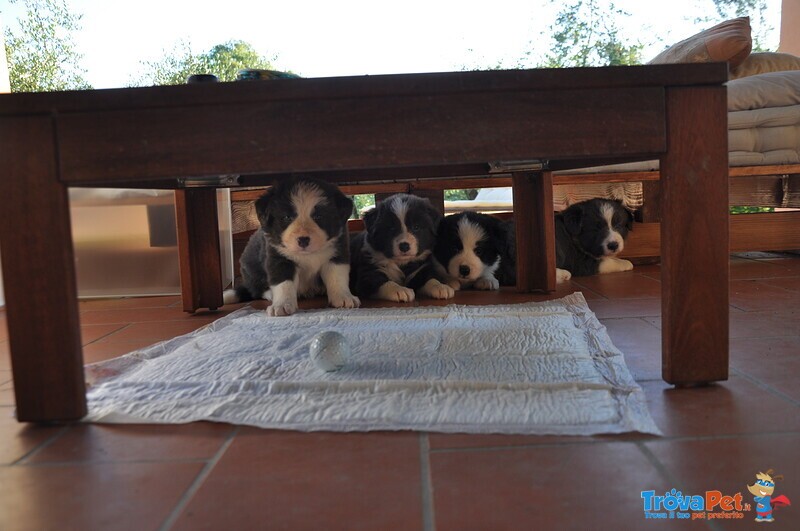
(303, 241)
(404, 247)
(463, 270)
(613, 246)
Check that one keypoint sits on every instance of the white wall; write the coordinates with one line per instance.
(790, 27)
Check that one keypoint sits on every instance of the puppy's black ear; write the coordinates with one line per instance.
(499, 233)
(627, 213)
(435, 215)
(263, 206)
(370, 216)
(573, 216)
(344, 206)
(629, 219)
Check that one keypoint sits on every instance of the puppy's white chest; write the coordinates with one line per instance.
(308, 277)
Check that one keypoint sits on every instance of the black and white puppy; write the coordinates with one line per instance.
(391, 258)
(301, 248)
(475, 251)
(589, 235)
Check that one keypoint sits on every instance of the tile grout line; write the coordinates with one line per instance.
(103, 337)
(198, 482)
(767, 282)
(738, 307)
(644, 320)
(590, 290)
(523, 446)
(658, 465)
(57, 464)
(765, 386)
(748, 338)
(652, 439)
(42, 446)
(663, 472)
(428, 519)
(151, 321)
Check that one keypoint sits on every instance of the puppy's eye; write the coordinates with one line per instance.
(416, 227)
(287, 218)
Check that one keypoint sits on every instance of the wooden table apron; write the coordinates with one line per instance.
(361, 129)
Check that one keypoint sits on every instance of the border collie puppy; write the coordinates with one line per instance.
(391, 258)
(589, 235)
(301, 248)
(475, 251)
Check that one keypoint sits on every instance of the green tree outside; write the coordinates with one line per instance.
(585, 33)
(755, 9)
(41, 53)
(223, 60)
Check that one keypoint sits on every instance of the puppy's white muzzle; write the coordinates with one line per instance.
(465, 266)
(405, 247)
(613, 244)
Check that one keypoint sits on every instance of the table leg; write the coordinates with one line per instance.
(198, 248)
(536, 243)
(39, 275)
(694, 237)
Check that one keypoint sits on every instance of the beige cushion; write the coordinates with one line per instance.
(773, 89)
(729, 41)
(761, 63)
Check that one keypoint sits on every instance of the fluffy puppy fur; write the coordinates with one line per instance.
(475, 251)
(589, 235)
(301, 248)
(391, 258)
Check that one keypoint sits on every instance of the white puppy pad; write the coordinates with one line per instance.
(536, 368)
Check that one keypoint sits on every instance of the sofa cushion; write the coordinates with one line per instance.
(729, 41)
(761, 63)
(773, 89)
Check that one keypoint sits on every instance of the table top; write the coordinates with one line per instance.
(361, 128)
(365, 86)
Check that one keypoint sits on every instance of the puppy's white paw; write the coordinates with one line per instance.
(343, 300)
(487, 283)
(562, 275)
(281, 308)
(625, 265)
(229, 296)
(454, 283)
(267, 295)
(436, 290)
(614, 265)
(392, 291)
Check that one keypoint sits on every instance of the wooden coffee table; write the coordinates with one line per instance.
(194, 138)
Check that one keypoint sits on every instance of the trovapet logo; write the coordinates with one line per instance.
(675, 505)
(713, 504)
(762, 491)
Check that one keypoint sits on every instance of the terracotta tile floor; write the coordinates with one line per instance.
(211, 476)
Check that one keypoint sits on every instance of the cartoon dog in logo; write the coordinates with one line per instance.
(762, 491)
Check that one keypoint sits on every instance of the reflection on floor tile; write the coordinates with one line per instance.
(107, 496)
(113, 442)
(287, 480)
(558, 487)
